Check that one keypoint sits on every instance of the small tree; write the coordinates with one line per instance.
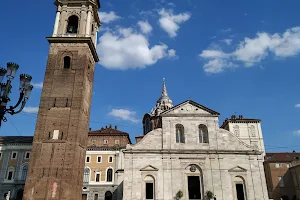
(179, 194)
(209, 194)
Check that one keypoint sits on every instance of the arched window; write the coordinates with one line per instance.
(109, 175)
(203, 134)
(72, 25)
(67, 62)
(147, 125)
(24, 172)
(149, 187)
(240, 188)
(180, 134)
(86, 176)
(10, 174)
(108, 195)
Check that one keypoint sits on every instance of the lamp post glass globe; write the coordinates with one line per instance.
(24, 81)
(11, 70)
(28, 91)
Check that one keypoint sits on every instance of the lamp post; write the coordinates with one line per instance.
(5, 90)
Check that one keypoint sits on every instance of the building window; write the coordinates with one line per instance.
(236, 130)
(147, 125)
(180, 133)
(149, 187)
(67, 62)
(88, 159)
(10, 173)
(14, 155)
(24, 172)
(203, 134)
(280, 180)
(27, 155)
(86, 175)
(278, 165)
(117, 142)
(109, 175)
(252, 130)
(96, 197)
(108, 195)
(99, 159)
(72, 24)
(97, 179)
(105, 141)
(110, 159)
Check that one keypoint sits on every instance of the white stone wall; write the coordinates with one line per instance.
(219, 162)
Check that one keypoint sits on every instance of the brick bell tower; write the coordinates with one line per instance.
(60, 139)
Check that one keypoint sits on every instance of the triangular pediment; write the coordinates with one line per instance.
(149, 168)
(237, 169)
(190, 107)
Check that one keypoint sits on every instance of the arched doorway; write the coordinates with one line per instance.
(108, 195)
(194, 182)
(19, 195)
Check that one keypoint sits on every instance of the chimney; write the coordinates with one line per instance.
(90, 129)
(110, 126)
(116, 127)
(105, 126)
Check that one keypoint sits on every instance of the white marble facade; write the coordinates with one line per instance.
(170, 164)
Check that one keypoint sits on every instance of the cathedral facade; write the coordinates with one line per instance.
(184, 151)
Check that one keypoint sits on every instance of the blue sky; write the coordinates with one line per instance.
(235, 57)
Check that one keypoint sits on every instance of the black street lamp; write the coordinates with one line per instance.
(5, 90)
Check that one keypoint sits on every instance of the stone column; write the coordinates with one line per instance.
(83, 19)
(88, 23)
(63, 20)
(57, 19)
(4, 166)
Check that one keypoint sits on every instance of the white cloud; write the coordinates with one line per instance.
(30, 109)
(297, 132)
(169, 22)
(37, 85)
(297, 105)
(145, 27)
(126, 49)
(172, 53)
(107, 17)
(124, 114)
(227, 41)
(252, 51)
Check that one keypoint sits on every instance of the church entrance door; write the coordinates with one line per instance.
(194, 187)
(240, 191)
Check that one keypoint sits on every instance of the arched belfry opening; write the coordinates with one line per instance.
(72, 27)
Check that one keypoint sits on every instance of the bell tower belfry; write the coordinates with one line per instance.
(59, 145)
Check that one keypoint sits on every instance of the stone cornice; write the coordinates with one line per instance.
(189, 115)
(192, 151)
(87, 40)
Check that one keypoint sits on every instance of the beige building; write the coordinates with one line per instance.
(101, 180)
(184, 149)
